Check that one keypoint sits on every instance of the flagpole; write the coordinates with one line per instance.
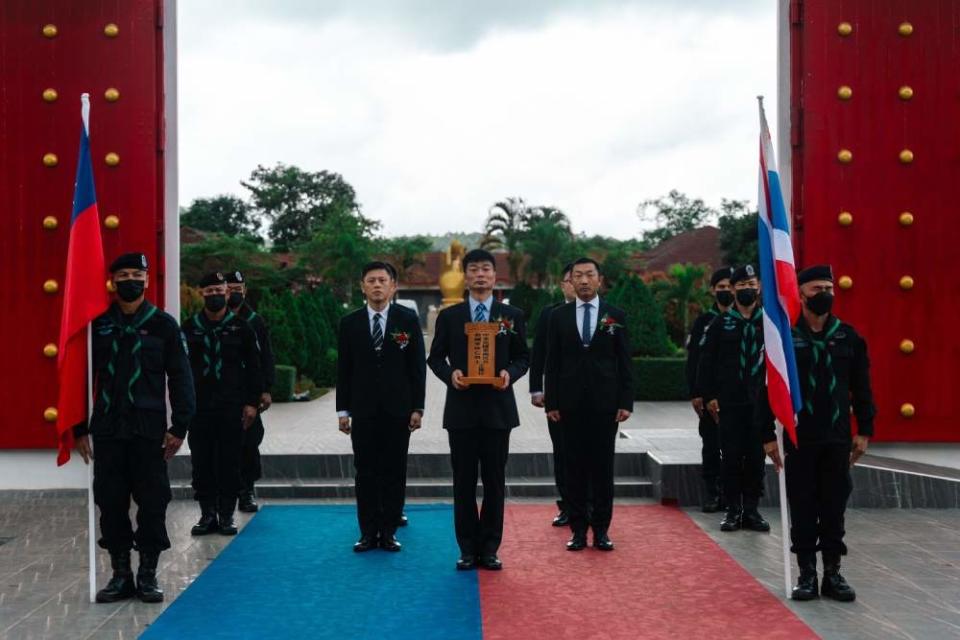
(784, 515)
(91, 523)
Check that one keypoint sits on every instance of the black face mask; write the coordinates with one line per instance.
(746, 297)
(820, 304)
(130, 290)
(235, 299)
(215, 303)
(724, 298)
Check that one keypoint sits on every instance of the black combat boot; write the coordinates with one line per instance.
(834, 586)
(226, 508)
(121, 585)
(806, 588)
(248, 502)
(752, 520)
(732, 520)
(208, 520)
(147, 588)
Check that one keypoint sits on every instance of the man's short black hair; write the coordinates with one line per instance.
(377, 265)
(586, 260)
(567, 268)
(479, 255)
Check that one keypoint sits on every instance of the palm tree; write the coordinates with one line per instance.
(503, 229)
(685, 288)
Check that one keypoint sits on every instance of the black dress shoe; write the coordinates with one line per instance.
(467, 562)
(834, 586)
(753, 521)
(732, 520)
(207, 524)
(390, 543)
(403, 521)
(561, 519)
(601, 541)
(711, 505)
(578, 542)
(247, 503)
(365, 543)
(148, 590)
(491, 563)
(121, 585)
(227, 527)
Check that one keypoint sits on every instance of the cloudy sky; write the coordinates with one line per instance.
(434, 109)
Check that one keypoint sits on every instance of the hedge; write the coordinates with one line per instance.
(660, 379)
(286, 378)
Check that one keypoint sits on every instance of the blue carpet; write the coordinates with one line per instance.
(291, 573)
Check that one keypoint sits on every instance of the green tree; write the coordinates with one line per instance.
(228, 253)
(646, 327)
(404, 251)
(681, 292)
(546, 242)
(224, 214)
(337, 252)
(299, 202)
(673, 214)
(738, 233)
(281, 333)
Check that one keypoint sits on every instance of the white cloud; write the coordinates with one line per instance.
(589, 110)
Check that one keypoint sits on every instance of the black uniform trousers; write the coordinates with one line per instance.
(743, 457)
(131, 467)
(710, 455)
(479, 534)
(380, 463)
(589, 440)
(215, 442)
(250, 469)
(818, 485)
(559, 469)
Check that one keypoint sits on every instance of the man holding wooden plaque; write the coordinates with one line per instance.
(479, 350)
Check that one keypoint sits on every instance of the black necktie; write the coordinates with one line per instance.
(377, 332)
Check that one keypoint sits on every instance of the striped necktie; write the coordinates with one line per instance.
(480, 313)
(377, 332)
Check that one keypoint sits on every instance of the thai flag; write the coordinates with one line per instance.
(84, 297)
(781, 300)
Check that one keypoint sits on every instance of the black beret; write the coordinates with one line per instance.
(745, 272)
(720, 274)
(211, 279)
(816, 272)
(234, 277)
(129, 261)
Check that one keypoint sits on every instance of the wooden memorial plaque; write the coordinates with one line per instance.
(481, 353)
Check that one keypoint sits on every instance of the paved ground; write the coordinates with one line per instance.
(905, 565)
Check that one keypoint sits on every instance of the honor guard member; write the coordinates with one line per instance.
(834, 373)
(226, 372)
(250, 469)
(729, 375)
(722, 293)
(138, 351)
(538, 359)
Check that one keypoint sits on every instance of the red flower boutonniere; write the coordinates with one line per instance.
(506, 326)
(401, 338)
(609, 324)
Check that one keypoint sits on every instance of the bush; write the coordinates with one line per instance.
(660, 379)
(646, 327)
(283, 387)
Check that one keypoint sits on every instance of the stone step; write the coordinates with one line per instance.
(517, 487)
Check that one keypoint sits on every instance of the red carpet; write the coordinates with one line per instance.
(666, 579)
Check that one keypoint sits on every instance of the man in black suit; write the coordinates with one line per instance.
(537, 361)
(381, 380)
(589, 388)
(478, 418)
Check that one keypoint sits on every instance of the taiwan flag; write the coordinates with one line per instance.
(84, 297)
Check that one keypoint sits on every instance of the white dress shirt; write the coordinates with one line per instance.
(594, 309)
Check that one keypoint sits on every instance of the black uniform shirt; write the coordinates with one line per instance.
(225, 360)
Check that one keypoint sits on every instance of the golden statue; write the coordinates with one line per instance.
(452, 283)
